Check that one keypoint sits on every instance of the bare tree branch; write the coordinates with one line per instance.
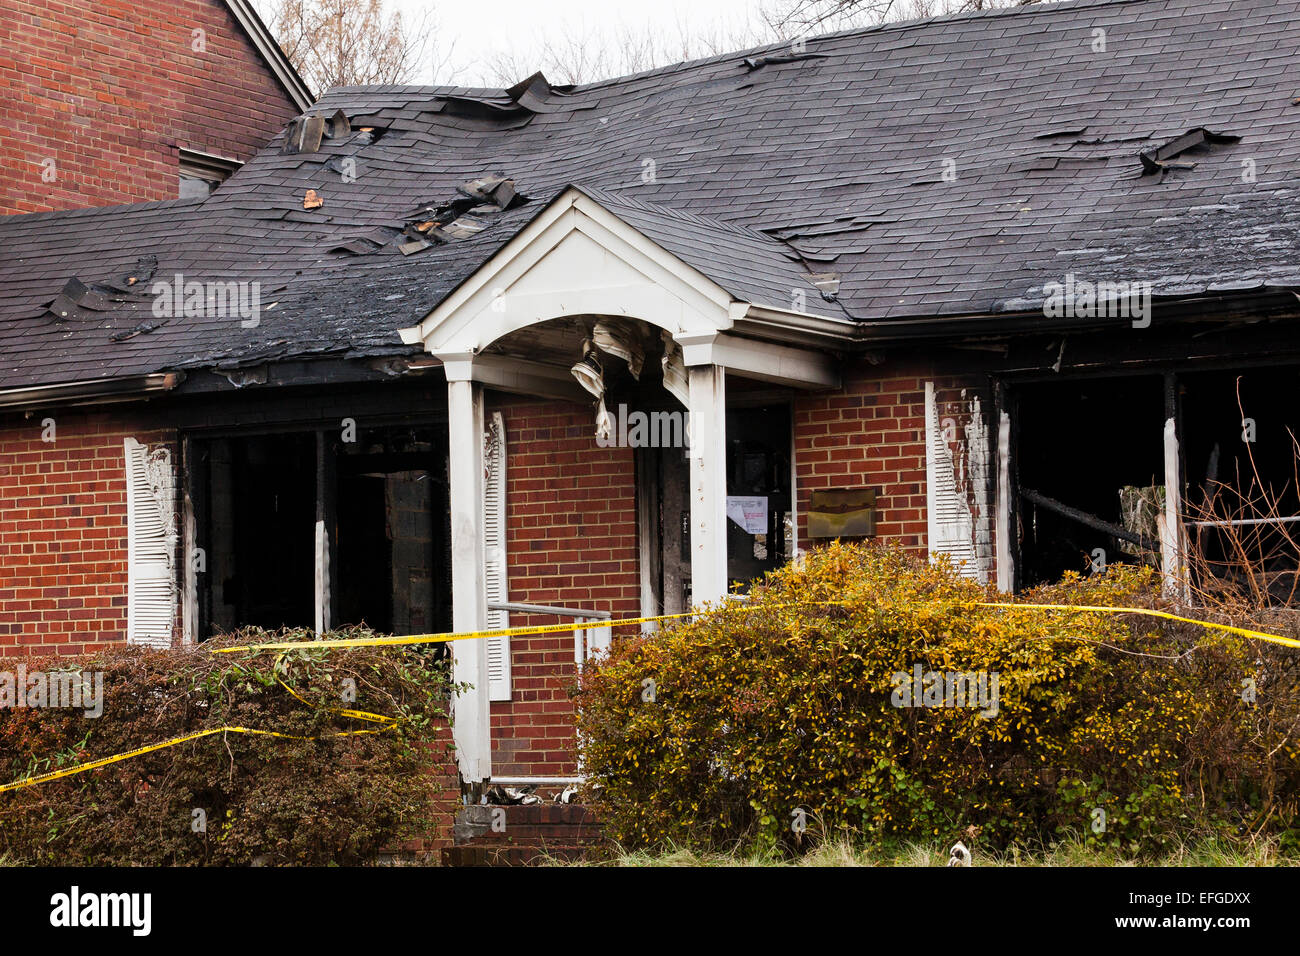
(820, 16)
(357, 43)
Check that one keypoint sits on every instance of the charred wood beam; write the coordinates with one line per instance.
(1091, 521)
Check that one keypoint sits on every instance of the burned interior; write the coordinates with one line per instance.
(1093, 452)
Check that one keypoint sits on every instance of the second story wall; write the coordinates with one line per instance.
(99, 97)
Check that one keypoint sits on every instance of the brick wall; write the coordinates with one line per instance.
(63, 556)
(871, 434)
(110, 91)
(571, 540)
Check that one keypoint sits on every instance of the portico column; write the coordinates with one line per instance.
(470, 709)
(708, 395)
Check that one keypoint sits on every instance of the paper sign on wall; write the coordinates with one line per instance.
(748, 512)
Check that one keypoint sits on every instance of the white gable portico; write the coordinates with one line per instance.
(516, 325)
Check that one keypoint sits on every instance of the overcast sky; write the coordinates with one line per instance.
(524, 28)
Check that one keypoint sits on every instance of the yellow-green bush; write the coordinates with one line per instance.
(738, 724)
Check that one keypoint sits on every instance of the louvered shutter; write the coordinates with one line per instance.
(150, 539)
(951, 528)
(494, 553)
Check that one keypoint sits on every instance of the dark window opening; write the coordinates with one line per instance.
(201, 173)
(1240, 461)
(1080, 444)
(393, 531)
(381, 501)
(259, 541)
(758, 472)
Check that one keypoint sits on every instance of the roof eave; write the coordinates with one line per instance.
(125, 388)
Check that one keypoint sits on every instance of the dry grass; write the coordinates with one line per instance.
(844, 852)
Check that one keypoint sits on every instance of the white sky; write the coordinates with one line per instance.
(522, 29)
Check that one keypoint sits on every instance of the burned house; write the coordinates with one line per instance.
(1018, 287)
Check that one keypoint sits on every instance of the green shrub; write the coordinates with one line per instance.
(327, 799)
(732, 727)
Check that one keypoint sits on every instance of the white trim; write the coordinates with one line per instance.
(508, 374)
(577, 258)
(496, 564)
(1173, 569)
(648, 496)
(699, 302)
(764, 361)
(189, 546)
(950, 527)
(321, 579)
(708, 392)
(471, 711)
(1006, 570)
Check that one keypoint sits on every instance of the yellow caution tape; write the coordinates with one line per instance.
(1148, 612)
(140, 751)
(446, 636)
(629, 621)
(391, 722)
(357, 714)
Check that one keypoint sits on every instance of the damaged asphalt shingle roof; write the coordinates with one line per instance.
(754, 173)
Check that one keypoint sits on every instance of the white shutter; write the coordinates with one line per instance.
(494, 553)
(951, 528)
(150, 544)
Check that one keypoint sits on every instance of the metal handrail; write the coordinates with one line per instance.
(547, 609)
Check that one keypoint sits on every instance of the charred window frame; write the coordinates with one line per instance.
(1256, 474)
(357, 487)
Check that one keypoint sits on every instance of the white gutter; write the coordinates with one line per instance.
(85, 393)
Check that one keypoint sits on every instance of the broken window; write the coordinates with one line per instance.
(1090, 453)
(1090, 473)
(314, 527)
(393, 537)
(259, 533)
(1240, 462)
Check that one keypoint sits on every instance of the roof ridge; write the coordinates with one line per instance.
(1023, 8)
(600, 194)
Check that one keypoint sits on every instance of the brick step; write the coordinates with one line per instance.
(536, 834)
(531, 835)
(476, 821)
